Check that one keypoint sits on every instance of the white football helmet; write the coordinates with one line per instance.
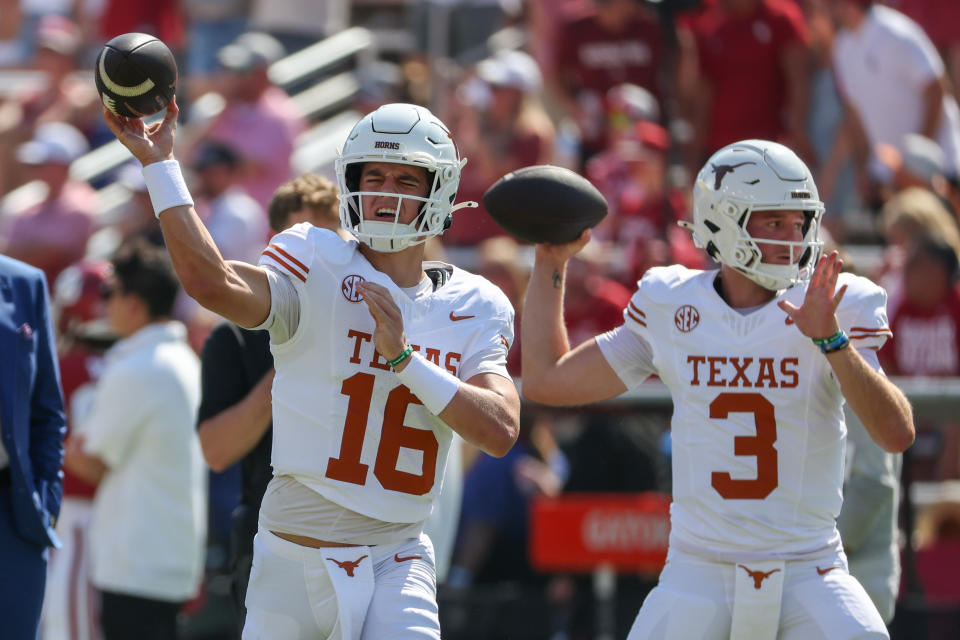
(405, 134)
(748, 176)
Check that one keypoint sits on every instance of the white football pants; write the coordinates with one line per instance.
(695, 598)
(341, 593)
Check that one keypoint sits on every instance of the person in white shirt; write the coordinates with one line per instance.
(138, 444)
(892, 80)
(757, 358)
(379, 356)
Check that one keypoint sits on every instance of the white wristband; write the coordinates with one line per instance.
(434, 386)
(166, 186)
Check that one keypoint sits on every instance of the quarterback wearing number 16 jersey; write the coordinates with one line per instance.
(346, 427)
(379, 356)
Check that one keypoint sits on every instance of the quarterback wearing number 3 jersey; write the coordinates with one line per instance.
(379, 358)
(759, 357)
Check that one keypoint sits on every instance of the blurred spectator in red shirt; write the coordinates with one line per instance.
(544, 19)
(594, 301)
(501, 126)
(753, 74)
(926, 342)
(258, 120)
(644, 206)
(614, 42)
(162, 18)
(54, 233)
(926, 320)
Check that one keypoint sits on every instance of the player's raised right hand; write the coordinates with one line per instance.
(148, 144)
(559, 254)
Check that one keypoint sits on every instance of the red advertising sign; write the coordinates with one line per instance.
(580, 532)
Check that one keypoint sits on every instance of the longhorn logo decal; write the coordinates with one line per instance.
(758, 576)
(348, 565)
(721, 170)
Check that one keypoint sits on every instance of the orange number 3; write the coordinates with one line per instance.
(393, 435)
(760, 445)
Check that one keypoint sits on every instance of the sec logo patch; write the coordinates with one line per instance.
(686, 318)
(349, 288)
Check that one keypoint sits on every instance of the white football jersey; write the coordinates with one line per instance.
(758, 431)
(343, 424)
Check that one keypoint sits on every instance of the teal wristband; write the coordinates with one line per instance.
(837, 341)
(400, 358)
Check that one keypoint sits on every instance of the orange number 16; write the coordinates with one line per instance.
(760, 445)
(394, 435)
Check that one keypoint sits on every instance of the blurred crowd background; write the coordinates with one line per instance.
(635, 96)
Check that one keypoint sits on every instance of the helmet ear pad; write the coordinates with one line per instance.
(352, 177)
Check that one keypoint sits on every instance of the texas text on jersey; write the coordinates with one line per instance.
(757, 427)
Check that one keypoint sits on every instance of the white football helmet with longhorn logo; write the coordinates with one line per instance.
(405, 134)
(748, 176)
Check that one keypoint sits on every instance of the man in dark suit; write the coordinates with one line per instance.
(32, 427)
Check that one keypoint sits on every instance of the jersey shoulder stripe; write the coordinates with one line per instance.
(289, 257)
(863, 312)
(300, 272)
(302, 247)
(636, 314)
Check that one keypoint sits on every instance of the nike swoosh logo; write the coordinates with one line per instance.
(397, 557)
(455, 318)
(824, 572)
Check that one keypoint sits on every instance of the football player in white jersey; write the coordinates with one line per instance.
(378, 356)
(759, 357)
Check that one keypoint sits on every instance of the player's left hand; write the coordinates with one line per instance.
(388, 337)
(817, 317)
